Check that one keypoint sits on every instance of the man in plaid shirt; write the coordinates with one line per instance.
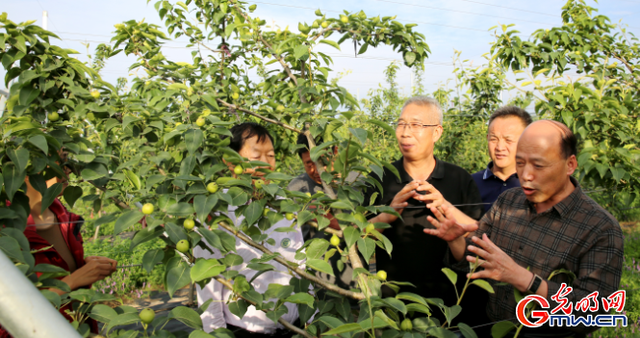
(546, 225)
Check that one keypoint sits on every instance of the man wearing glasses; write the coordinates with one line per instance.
(424, 182)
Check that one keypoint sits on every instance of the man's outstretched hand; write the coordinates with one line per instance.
(446, 226)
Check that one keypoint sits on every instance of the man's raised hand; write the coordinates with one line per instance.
(446, 226)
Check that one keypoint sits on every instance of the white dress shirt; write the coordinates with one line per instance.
(217, 314)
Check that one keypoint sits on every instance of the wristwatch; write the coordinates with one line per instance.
(535, 283)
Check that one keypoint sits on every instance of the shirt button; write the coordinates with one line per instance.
(504, 184)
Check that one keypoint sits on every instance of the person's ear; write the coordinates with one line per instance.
(437, 133)
(572, 164)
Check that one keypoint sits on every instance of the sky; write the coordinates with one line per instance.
(448, 25)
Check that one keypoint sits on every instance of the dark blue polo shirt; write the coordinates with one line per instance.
(491, 186)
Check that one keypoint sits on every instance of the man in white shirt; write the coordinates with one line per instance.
(252, 141)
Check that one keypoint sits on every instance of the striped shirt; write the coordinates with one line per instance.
(576, 234)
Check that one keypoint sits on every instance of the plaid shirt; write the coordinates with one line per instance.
(576, 234)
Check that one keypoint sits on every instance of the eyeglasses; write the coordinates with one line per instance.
(414, 127)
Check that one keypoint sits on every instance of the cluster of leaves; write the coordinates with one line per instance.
(163, 141)
(600, 105)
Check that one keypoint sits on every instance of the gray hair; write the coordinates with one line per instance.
(425, 101)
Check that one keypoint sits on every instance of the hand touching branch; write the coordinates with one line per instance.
(95, 269)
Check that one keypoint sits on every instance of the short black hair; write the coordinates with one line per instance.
(514, 111)
(569, 141)
(302, 140)
(244, 131)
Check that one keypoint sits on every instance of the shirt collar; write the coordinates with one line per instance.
(437, 173)
(489, 174)
(564, 207)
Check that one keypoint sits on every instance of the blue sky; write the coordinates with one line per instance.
(448, 26)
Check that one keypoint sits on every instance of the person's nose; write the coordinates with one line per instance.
(526, 173)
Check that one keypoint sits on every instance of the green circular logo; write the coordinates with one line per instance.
(285, 243)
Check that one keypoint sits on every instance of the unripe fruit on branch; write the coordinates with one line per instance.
(289, 216)
(212, 187)
(147, 315)
(182, 245)
(188, 224)
(382, 274)
(335, 240)
(147, 209)
(238, 170)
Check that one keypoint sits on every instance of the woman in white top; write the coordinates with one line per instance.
(252, 141)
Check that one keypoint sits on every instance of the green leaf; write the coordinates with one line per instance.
(343, 329)
(396, 304)
(360, 134)
(320, 265)
(203, 205)
(277, 313)
(483, 284)
(123, 319)
(40, 142)
(240, 284)
(50, 195)
(126, 220)
(52, 297)
(176, 233)
(501, 329)
(19, 157)
(186, 316)
(301, 298)
(411, 297)
(452, 312)
(145, 235)
(467, 331)
(91, 175)
(178, 277)
(317, 248)
(232, 260)
(276, 176)
(383, 125)
(181, 209)
(278, 291)
(253, 212)
(301, 52)
(193, 139)
(351, 235)
(239, 308)
(453, 277)
(206, 268)
(132, 178)
(409, 58)
(71, 195)
(11, 248)
(151, 258)
(212, 239)
(366, 247)
(330, 43)
(102, 313)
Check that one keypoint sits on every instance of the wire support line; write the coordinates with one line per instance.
(410, 21)
(513, 9)
(463, 12)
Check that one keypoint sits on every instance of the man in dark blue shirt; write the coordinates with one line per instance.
(505, 126)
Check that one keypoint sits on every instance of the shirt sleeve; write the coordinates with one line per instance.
(600, 268)
(213, 317)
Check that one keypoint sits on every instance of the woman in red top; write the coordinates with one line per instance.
(59, 230)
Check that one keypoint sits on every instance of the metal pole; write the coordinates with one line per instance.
(24, 311)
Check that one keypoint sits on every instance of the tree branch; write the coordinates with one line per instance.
(252, 113)
(285, 323)
(299, 271)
